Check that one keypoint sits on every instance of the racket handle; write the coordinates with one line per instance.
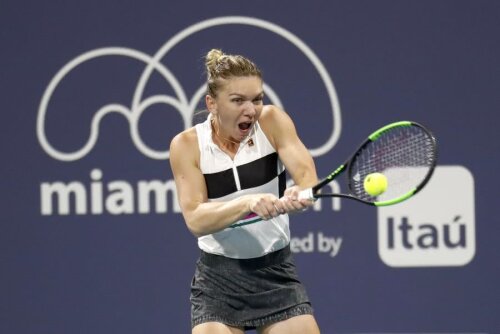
(306, 194)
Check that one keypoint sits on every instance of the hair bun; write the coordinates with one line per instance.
(211, 59)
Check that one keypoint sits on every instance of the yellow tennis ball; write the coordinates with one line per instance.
(375, 184)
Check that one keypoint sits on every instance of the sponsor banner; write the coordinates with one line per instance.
(434, 228)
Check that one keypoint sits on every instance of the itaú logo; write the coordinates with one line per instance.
(178, 100)
(437, 228)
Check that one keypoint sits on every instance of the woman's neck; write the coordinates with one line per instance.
(223, 142)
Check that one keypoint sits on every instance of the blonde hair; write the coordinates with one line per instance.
(221, 66)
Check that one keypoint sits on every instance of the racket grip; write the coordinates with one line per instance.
(306, 194)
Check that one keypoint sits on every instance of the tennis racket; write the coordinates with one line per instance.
(403, 152)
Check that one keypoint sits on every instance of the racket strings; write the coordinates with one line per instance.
(404, 155)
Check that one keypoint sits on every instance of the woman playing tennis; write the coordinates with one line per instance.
(231, 182)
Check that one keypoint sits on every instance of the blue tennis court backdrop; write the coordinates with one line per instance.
(91, 235)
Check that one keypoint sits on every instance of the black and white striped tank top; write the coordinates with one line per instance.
(256, 168)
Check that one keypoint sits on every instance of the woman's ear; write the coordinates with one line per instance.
(211, 104)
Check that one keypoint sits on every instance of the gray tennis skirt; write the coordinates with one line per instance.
(247, 293)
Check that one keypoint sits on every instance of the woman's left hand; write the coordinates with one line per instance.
(291, 202)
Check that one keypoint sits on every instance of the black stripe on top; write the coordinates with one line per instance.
(258, 172)
(252, 174)
(220, 184)
(282, 183)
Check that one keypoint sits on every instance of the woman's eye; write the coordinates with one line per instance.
(237, 100)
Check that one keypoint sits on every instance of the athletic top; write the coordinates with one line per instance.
(256, 168)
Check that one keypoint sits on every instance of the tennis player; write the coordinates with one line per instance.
(231, 182)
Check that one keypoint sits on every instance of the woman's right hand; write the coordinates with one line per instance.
(266, 206)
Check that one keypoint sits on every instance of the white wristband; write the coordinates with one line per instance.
(307, 194)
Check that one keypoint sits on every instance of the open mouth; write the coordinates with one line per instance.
(245, 126)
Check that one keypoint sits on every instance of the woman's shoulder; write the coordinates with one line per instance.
(269, 112)
(185, 142)
(273, 121)
(274, 118)
(187, 135)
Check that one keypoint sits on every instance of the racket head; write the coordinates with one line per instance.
(404, 152)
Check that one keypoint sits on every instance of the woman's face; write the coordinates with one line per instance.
(237, 107)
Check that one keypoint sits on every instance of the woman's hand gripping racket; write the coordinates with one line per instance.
(391, 165)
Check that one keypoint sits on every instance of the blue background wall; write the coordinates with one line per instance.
(123, 271)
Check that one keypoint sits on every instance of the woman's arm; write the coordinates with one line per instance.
(280, 130)
(203, 217)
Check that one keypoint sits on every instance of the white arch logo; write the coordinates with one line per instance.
(185, 106)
